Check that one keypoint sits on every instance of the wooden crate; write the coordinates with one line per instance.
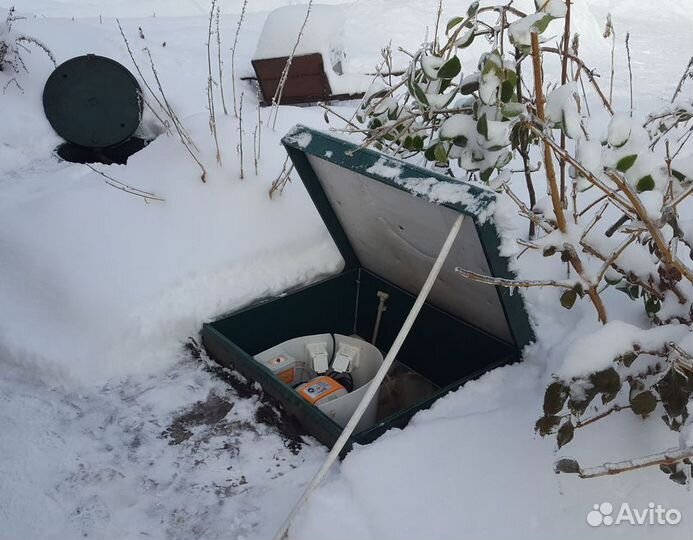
(306, 81)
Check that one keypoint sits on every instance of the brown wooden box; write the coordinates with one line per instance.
(305, 83)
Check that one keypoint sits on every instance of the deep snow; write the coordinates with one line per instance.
(99, 290)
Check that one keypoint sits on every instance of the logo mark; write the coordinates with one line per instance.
(601, 514)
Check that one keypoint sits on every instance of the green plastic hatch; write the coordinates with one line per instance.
(389, 220)
(93, 101)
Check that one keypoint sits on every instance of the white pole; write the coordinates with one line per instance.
(377, 380)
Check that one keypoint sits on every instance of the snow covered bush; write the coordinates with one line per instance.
(613, 213)
(12, 44)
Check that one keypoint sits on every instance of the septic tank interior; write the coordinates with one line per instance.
(440, 353)
(388, 221)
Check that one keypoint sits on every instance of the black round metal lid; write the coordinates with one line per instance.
(93, 101)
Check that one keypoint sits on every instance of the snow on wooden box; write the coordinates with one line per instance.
(316, 52)
(388, 219)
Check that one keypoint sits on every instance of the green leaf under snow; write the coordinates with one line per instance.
(565, 434)
(643, 403)
(472, 85)
(482, 126)
(626, 163)
(668, 468)
(507, 91)
(440, 153)
(633, 291)
(485, 175)
(613, 278)
(542, 24)
(450, 69)
(554, 398)
(646, 183)
(473, 8)
(429, 154)
(566, 465)
(460, 141)
(466, 39)
(652, 306)
(679, 477)
(628, 358)
(606, 381)
(675, 392)
(578, 405)
(503, 160)
(452, 23)
(678, 175)
(512, 109)
(546, 424)
(568, 299)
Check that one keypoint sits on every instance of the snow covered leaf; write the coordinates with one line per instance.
(482, 126)
(469, 84)
(505, 158)
(627, 359)
(450, 69)
(431, 65)
(555, 8)
(565, 434)
(652, 305)
(415, 143)
(546, 424)
(633, 291)
(675, 392)
(642, 402)
(507, 90)
(619, 130)
(612, 277)
(473, 8)
(466, 39)
(581, 395)
(440, 153)
(568, 299)
(679, 477)
(512, 109)
(562, 112)
(606, 381)
(679, 175)
(555, 398)
(455, 21)
(566, 465)
(485, 175)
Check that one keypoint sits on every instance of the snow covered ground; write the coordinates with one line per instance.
(110, 428)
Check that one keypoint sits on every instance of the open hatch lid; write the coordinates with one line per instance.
(392, 218)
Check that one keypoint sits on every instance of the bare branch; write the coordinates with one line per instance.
(512, 283)
(117, 184)
(668, 457)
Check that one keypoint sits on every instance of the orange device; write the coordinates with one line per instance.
(321, 390)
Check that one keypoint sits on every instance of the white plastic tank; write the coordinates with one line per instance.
(365, 362)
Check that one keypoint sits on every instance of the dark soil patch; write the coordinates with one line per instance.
(208, 413)
(270, 412)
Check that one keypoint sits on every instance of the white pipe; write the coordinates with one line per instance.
(377, 380)
(383, 296)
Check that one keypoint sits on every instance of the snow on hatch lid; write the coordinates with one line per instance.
(391, 218)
